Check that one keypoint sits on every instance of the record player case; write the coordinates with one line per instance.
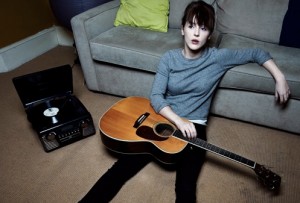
(58, 116)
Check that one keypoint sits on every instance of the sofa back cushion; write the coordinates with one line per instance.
(177, 8)
(258, 19)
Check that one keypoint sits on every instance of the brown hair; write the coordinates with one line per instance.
(202, 12)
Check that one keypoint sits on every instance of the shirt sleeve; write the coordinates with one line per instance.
(159, 86)
(233, 57)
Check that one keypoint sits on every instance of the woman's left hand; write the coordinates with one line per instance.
(282, 91)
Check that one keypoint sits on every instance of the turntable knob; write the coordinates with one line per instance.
(51, 136)
(83, 124)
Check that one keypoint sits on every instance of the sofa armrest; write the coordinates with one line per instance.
(86, 26)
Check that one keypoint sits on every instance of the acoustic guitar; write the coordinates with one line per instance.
(132, 126)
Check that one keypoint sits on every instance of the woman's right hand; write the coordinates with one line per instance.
(187, 128)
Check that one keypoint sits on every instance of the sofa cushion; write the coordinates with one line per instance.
(134, 47)
(255, 78)
(177, 8)
(257, 19)
(146, 14)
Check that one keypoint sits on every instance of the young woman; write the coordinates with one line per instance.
(182, 92)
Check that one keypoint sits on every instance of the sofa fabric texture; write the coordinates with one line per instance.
(256, 19)
(123, 60)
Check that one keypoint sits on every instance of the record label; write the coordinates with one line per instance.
(52, 111)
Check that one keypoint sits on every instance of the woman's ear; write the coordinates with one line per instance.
(182, 31)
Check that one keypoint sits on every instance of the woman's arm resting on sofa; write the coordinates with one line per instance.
(282, 90)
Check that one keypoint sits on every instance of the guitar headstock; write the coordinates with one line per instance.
(270, 179)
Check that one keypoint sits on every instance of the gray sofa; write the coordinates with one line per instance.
(123, 60)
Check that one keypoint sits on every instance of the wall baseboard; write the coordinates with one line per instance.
(16, 54)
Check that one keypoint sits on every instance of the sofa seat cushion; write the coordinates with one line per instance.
(255, 78)
(133, 47)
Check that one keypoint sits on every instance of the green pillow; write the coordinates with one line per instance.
(147, 14)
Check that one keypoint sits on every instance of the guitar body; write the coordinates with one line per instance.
(119, 134)
(132, 126)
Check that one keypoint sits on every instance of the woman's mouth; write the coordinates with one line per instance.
(194, 41)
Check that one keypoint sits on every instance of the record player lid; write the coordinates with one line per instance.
(43, 85)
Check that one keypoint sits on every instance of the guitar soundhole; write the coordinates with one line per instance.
(164, 129)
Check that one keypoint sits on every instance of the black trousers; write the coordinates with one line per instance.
(187, 172)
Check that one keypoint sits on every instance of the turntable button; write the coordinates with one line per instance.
(83, 124)
(51, 136)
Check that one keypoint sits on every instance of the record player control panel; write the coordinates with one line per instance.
(59, 137)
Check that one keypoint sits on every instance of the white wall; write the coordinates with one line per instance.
(16, 54)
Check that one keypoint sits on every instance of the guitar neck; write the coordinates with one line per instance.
(217, 150)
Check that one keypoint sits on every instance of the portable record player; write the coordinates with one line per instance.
(58, 116)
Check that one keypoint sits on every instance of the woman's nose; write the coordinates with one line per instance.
(197, 32)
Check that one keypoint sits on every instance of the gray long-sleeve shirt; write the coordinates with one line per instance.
(187, 85)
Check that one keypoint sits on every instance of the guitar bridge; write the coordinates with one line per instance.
(140, 120)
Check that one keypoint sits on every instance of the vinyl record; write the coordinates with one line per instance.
(55, 111)
(46, 114)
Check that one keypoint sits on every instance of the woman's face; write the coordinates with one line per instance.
(195, 37)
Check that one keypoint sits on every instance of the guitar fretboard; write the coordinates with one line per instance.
(215, 149)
